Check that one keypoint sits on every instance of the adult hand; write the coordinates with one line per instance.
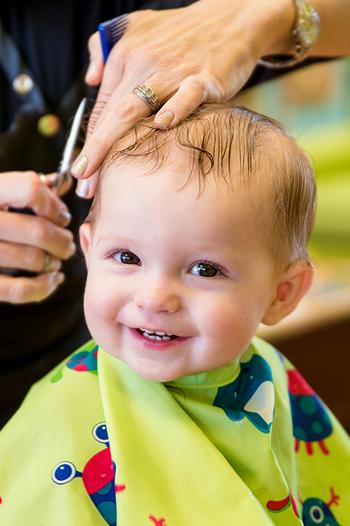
(203, 52)
(34, 243)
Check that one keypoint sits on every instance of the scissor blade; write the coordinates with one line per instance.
(72, 139)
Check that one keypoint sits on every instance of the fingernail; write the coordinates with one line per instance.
(79, 166)
(164, 118)
(72, 248)
(55, 264)
(65, 217)
(91, 71)
(60, 278)
(83, 189)
(57, 278)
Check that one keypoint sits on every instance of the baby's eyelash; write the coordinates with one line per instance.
(133, 260)
(111, 253)
(220, 271)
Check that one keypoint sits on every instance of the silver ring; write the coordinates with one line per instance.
(47, 263)
(149, 96)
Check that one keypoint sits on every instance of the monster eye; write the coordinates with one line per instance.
(64, 472)
(100, 433)
(316, 514)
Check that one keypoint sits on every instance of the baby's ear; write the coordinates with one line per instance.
(292, 286)
(85, 239)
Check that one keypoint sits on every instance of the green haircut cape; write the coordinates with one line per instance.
(248, 444)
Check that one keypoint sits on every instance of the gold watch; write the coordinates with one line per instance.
(304, 33)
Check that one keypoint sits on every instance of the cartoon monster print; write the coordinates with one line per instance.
(98, 477)
(157, 522)
(250, 395)
(316, 512)
(311, 422)
(276, 506)
(82, 361)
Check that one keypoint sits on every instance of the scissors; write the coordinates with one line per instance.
(63, 172)
(62, 176)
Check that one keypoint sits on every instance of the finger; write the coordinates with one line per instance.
(26, 290)
(113, 69)
(86, 188)
(112, 76)
(191, 93)
(47, 203)
(26, 190)
(37, 232)
(94, 73)
(50, 181)
(24, 257)
(118, 118)
(109, 75)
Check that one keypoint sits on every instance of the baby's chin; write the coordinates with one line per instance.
(155, 373)
(151, 370)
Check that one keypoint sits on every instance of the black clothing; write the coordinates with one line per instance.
(51, 40)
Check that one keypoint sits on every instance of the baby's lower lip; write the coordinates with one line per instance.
(156, 344)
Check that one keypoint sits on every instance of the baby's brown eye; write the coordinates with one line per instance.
(127, 258)
(205, 270)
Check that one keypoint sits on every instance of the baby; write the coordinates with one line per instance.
(196, 235)
(200, 246)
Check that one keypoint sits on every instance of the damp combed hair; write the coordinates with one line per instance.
(240, 147)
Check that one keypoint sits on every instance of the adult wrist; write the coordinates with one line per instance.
(303, 35)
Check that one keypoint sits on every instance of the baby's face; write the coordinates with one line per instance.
(177, 283)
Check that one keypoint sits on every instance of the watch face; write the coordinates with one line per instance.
(308, 24)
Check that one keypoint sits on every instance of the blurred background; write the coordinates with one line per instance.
(314, 104)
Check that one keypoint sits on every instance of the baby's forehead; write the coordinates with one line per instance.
(178, 173)
(175, 182)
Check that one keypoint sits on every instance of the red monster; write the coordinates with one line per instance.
(311, 422)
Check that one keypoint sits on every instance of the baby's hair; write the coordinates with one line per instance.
(241, 147)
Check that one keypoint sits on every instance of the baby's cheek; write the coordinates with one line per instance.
(99, 299)
(231, 324)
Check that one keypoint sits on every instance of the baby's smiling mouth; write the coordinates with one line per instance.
(156, 335)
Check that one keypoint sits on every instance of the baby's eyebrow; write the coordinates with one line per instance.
(116, 239)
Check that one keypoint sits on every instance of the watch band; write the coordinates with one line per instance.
(304, 34)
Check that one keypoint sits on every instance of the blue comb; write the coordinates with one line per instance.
(110, 32)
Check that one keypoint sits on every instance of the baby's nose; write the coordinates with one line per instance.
(158, 298)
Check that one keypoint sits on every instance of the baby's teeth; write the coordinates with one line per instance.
(158, 333)
(159, 336)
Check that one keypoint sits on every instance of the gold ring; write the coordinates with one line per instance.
(47, 263)
(149, 96)
(42, 177)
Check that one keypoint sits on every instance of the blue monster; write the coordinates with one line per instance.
(316, 512)
(98, 477)
(251, 395)
(81, 361)
(84, 361)
(311, 423)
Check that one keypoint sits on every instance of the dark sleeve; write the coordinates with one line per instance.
(262, 74)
